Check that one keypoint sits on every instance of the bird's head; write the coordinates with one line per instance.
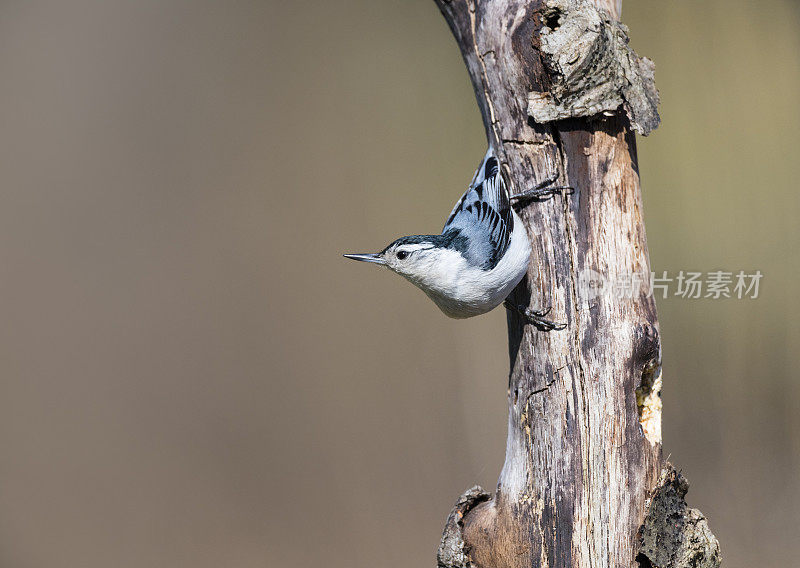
(417, 258)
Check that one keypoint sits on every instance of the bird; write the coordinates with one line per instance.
(480, 256)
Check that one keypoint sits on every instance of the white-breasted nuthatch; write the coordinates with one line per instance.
(481, 254)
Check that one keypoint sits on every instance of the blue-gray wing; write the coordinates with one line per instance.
(482, 218)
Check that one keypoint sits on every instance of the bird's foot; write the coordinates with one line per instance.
(535, 317)
(541, 194)
(542, 191)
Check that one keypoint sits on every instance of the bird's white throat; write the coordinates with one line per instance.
(462, 290)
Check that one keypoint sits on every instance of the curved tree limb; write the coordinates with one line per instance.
(584, 443)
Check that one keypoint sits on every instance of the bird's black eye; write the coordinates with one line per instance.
(401, 254)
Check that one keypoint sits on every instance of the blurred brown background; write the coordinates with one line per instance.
(194, 377)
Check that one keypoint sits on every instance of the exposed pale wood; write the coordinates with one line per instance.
(579, 466)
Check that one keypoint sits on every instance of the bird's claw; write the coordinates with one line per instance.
(536, 317)
(543, 190)
(537, 313)
(542, 324)
(541, 193)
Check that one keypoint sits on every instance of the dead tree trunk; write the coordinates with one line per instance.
(560, 93)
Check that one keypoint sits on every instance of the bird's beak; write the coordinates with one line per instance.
(376, 258)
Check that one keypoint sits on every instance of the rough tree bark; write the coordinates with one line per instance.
(560, 93)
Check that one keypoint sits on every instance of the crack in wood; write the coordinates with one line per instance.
(527, 142)
(473, 7)
(576, 326)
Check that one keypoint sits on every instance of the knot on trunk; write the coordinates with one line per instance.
(592, 68)
(673, 535)
(453, 552)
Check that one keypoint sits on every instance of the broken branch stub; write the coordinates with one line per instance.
(592, 68)
(674, 535)
(453, 551)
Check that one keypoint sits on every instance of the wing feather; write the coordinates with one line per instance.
(483, 216)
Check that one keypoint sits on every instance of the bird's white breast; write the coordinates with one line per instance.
(462, 290)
